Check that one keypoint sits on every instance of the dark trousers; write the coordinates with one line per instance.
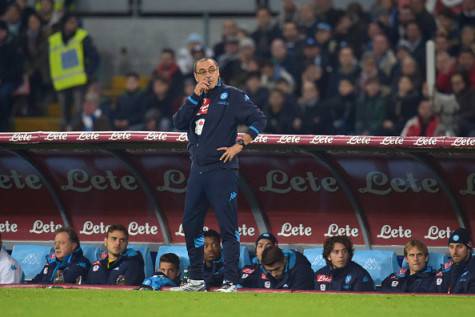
(217, 189)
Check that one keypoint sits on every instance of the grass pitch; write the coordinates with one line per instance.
(74, 302)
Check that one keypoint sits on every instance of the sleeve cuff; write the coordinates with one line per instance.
(253, 131)
(194, 99)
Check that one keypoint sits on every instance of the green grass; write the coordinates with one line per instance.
(73, 302)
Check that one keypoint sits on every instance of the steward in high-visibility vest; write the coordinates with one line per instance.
(67, 60)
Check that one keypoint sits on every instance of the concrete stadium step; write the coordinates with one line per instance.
(29, 124)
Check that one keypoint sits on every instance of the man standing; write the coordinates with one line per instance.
(119, 266)
(10, 270)
(73, 62)
(211, 117)
(418, 277)
(458, 275)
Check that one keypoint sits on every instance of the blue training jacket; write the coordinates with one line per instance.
(228, 108)
(403, 282)
(456, 278)
(129, 267)
(73, 267)
(353, 277)
(298, 274)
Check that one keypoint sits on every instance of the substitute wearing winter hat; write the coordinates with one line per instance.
(458, 275)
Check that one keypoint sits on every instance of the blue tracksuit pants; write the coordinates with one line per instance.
(217, 189)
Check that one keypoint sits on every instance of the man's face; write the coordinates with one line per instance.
(346, 57)
(208, 71)
(416, 259)
(63, 245)
(116, 243)
(169, 269)
(132, 83)
(276, 269)
(339, 256)
(263, 18)
(457, 83)
(71, 26)
(261, 246)
(425, 110)
(466, 61)
(459, 252)
(290, 32)
(212, 249)
(166, 59)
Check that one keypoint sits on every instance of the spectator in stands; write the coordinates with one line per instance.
(271, 74)
(370, 109)
(168, 69)
(417, 277)
(340, 117)
(281, 59)
(11, 65)
(307, 21)
(278, 119)
(465, 96)
(383, 54)
(286, 269)
(254, 89)
(458, 275)
(10, 270)
(424, 124)
(415, 42)
(162, 101)
(410, 69)
(34, 42)
(325, 12)
(12, 17)
(50, 16)
(230, 30)
(445, 67)
(323, 36)
(119, 265)
(73, 61)
(467, 38)
(341, 273)
(168, 273)
(130, 109)
(424, 18)
(185, 57)
(347, 69)
(292, 40)
(369, 70)
(213, 269)
(289, 11)
(402, 106)
(238, 70)
(309, 112)
(466, 64)
(92, 117)
(467, 16)
(265, 32)
(229, 62)
(66, 263)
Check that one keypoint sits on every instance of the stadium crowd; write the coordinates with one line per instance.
(272, 267)
(313, 69)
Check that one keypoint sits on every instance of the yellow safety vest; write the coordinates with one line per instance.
(67, 60)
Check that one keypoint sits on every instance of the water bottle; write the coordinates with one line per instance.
(186, 277)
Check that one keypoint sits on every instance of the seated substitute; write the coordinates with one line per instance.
(10, 270)
(119, 265)
(213, 267)
(340, 273)
(168, 273)
(418, 277)
(66, 263)
(458, 275)
(250, 274)
(286, 269)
